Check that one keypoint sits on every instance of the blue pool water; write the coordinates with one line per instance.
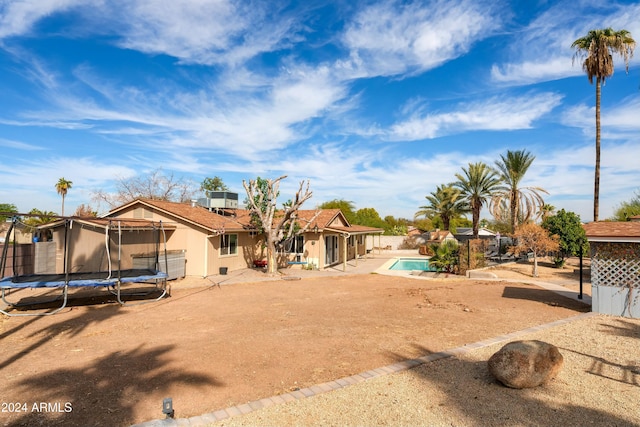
(410, 264)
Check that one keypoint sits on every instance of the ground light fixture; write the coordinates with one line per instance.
(167, 407)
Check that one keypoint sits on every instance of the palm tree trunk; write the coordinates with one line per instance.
(596, 186)
(514, 211)
(476, 220)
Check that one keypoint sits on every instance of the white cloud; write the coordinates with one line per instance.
(18, 17)
(617, 121)
(242, 120)
(27, 178)
(202, 31)
(532, 71)
(492, 114)
(543, 50)
(391, 38)
(18, 145)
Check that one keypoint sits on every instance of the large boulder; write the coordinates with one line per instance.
(525, 364)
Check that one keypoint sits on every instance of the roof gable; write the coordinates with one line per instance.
(196, 215)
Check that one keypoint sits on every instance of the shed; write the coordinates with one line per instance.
(615, 267)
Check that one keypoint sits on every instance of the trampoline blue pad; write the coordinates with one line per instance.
(95, 279)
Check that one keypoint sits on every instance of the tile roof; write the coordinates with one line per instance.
(241, 220)
(357, 229)
(613, 229)
(323, 220)
(195, 214)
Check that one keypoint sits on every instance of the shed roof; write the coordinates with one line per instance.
(127, 224)
(612, 231)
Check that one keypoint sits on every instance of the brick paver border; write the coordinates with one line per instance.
(245, 408)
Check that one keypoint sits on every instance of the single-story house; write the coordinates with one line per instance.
(615, 267)
(212, 239)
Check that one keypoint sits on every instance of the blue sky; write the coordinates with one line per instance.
(373, 102)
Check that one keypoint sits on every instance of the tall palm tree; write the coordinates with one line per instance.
(524, 203)
(62, 187)
(446, 202)
(597, 49)
(478, 183)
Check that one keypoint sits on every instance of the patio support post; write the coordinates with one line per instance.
(344, 253)
(580, 294)
(355, 240)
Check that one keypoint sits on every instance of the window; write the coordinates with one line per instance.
(297, 245)
(228, 244)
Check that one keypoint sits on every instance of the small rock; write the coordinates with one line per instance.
(525, 364)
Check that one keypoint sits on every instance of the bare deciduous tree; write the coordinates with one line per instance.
(277, 225)
(155, 185)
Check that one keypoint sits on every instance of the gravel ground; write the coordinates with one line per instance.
(599, 385)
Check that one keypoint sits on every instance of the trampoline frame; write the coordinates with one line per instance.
(112, 279)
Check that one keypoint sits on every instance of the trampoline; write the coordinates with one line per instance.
(85, 253)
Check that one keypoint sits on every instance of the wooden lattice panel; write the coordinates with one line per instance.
(615, 272)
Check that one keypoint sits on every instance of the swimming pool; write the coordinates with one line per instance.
(411, 264)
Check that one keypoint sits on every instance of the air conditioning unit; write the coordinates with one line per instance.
(219, 200)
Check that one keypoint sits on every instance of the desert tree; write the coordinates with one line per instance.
(531, 237)
(597, 49)
(346, 207)
(213, 184)
(6, 211)
(155, 185)
(277, 225)
(571, 235)
(523, 203)
(85, 211)
(62, 187)
(627, 209)
(478, 183)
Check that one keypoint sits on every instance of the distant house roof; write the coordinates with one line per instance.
(413, 231)
(613, 231)
(468, 231)
(439, 236)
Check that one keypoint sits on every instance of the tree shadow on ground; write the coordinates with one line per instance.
(107, 392)
(72, 326)
(624, 328)
(481, 400)
(546, 297)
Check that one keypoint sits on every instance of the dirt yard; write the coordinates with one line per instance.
(210, 347)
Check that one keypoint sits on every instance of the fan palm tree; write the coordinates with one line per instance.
(597, 49)
(478, 184)
(62, 187)
(524, 203)
(446, 202)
